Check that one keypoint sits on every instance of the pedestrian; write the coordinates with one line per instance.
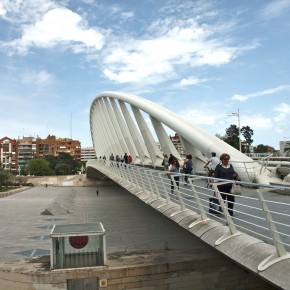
(175, 169)
(225, 170)
(97, 192)
(187, 167)
(171, 158)
(213, 161)
(165, 162)
(130, 159)
(125, 158)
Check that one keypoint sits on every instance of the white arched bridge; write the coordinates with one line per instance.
(257, 236)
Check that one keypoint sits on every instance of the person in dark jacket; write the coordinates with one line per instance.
(171, 158)
(187, 167)
(225, 170)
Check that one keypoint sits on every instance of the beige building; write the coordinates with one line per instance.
(87, 153)
(284, 148)
(8, 153)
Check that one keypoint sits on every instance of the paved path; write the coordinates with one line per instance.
(129, 223)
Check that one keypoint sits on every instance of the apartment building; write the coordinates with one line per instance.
(14, 154)
(177, 144)
(87, 153)
(9, 153)
(53, 146)
(26, 150)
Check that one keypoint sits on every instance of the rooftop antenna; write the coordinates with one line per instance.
(70, 125)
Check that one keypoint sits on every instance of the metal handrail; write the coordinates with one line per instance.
(256, 212)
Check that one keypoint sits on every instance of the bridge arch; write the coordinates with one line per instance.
(118, 125)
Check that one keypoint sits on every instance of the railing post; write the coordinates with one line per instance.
(137, 183)
(203, 216)
(180, 199)
(125, 172)
(115, 170)
(119, 170)
(155, 185)
(142, 178)
(165, 190)
(130, 173)
(281, 253)
(233, 232)
(148, 183)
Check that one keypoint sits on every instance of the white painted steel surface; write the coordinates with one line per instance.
(114, 129)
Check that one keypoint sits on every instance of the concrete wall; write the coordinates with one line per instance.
(163, 270)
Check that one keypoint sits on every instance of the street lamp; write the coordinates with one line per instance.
(239, 125)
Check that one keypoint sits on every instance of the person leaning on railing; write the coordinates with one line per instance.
(225, 170)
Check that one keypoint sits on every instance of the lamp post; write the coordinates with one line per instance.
(239, 127)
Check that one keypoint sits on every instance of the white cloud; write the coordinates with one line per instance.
(260, 122)
(127, 15)
(200, 117)
(59, 26)
(88, 1)
(191, 81)
(283, 108)
(280, 118)
(176, 43)
(25, 11)
(275, 8)
(2, 10)
(243, 98)
(39, 78)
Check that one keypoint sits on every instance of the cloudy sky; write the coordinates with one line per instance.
(200, 59)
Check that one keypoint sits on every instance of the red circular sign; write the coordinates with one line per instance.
(78, 242)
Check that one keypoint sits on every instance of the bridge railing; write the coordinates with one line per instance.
(258, 211)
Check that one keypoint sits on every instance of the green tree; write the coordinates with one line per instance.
(232, 136)
(4, 178)
(261, 148)
(39, 167)
(247, 133)
(53, 161)
(73, 165)
(62, 169)
(63, 164)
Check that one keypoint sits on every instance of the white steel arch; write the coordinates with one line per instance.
(115, 129)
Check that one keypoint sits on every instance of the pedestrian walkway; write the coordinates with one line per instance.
(129, 223)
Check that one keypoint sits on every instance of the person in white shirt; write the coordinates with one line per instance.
(213, 161)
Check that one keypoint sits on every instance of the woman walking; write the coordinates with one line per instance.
(225, 170)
